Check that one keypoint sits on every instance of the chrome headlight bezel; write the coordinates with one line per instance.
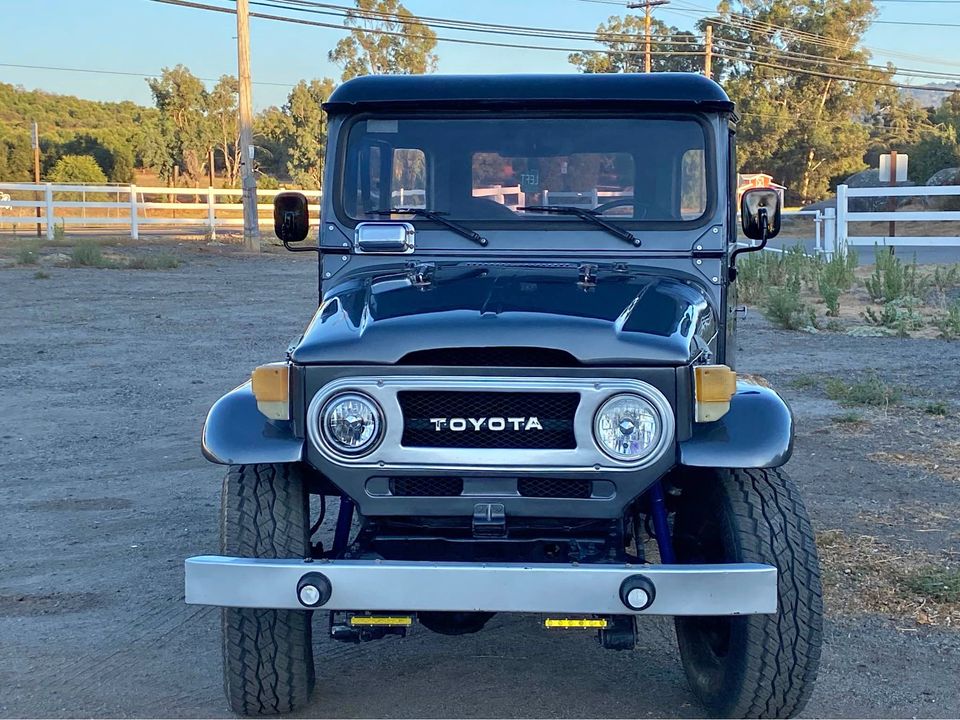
(661, 416)
(335, 446)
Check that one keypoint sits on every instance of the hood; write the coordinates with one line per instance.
(620, 316)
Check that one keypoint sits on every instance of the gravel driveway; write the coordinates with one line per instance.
(107, 375)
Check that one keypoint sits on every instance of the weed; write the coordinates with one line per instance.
(28, 252)
(784, 308)
(939, 583)
(848, 418)
(939, 408)
(948, 323)
(59, 232)
(900, 315)
(41, 275)
(87, 253)
(804, 382)
(892, 279)
(163, 261)
(945, 278)
(834, 325)
(831, 297)
(870, 390)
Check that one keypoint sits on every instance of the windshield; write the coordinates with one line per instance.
(477, 169)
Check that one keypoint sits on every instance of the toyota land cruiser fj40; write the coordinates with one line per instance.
(519, 394)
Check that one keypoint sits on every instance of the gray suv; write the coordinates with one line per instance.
(518, 394)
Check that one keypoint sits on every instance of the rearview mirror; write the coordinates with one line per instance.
(291, 217)
(760, 213)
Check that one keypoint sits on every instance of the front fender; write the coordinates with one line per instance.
(757, 432)
(237, 433)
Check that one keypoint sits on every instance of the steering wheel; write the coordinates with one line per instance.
(639, 209)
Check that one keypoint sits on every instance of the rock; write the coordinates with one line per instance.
(870, 331)
(59, 259)
(871, 178)
(947, 176)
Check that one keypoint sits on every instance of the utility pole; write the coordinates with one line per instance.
(251, 222)
(35, 143)
(708, 53)
(647, 6)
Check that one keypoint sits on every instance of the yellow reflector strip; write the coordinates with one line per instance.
(575, 623)
(380, 620)
(270, 383)
(715, 383)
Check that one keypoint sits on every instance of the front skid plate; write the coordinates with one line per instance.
(734, 589)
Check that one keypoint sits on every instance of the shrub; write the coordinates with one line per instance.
(891, 279)
(163, 261)
(938, 408)
(870, 390)
(59, 232)
(948, 322)
(945, 278)
(900, 315)
(938, 583)
(41, 275)
(28, 252)
(87, 253)
(784, 308)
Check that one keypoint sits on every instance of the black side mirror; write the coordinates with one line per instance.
(760, 213)
(291, 219)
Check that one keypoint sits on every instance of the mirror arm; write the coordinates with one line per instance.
(293, 248)
(764, 228)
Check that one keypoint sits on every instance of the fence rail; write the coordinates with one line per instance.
(135, 206)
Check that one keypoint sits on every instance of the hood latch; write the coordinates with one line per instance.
(588, 276)
(421, 274)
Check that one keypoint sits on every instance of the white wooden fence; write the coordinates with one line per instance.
(129, 205)
(844, 216)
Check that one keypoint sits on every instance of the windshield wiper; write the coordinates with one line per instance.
(589, 215)
(437, 217)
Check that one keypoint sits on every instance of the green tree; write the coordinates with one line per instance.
(624, 39)
(77, 169)
(948, 114)
(798, 123)
(937, 149)
(223, 116)
(272, 130)
(181, 99)
(386, 39)
(308, 131)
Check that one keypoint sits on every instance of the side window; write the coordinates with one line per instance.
(693, 184)
(408, 186)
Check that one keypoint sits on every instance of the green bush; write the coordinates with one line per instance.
(784, 308)
(892, 279)
(28, 252)
(869, 390)
(901, 315)
(87, 253)
(948, 322)
(938, 408)
(938, 583)
(163, 261)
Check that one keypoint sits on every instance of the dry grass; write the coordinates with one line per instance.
(863, 575)
(942, 460)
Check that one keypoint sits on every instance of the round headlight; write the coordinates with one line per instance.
(627, 427)
(351, 423)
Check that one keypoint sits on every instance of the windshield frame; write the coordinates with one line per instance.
(542, 221)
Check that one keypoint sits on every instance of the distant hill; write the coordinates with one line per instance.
(926, 97)
(116, 134)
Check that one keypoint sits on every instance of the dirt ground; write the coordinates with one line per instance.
(107, 375)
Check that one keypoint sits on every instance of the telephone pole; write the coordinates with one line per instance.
(251, 222)
(708, 53)
(647, 6)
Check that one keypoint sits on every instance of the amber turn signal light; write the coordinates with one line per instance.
(271, 388)
(714, 385)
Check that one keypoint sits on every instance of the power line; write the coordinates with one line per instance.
(121, 72)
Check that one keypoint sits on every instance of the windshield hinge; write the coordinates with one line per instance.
(421, 274)
(588, 276)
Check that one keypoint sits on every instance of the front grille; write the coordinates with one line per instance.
(426, 486)
(520, 420)
(554, 488)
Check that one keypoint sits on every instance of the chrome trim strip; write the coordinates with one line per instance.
(734, 589)
(586, 456)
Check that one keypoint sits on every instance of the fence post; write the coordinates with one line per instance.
(212, 213)
(48, 202)
(829, 232)
(841, 246)
(134, 214)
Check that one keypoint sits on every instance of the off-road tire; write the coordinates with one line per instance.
(751, 665)
(267, 654)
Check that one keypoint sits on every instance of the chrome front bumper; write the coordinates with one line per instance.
(362, 585)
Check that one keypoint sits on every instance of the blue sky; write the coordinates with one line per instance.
(142, 37)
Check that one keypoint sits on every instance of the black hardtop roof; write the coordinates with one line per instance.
(665, 90)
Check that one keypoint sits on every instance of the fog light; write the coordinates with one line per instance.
(351, 423)
(627, 427)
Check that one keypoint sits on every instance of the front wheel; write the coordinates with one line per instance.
(751, 665)
(267, 654)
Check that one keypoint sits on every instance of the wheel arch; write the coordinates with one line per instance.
(237, 433)
(757, 432)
